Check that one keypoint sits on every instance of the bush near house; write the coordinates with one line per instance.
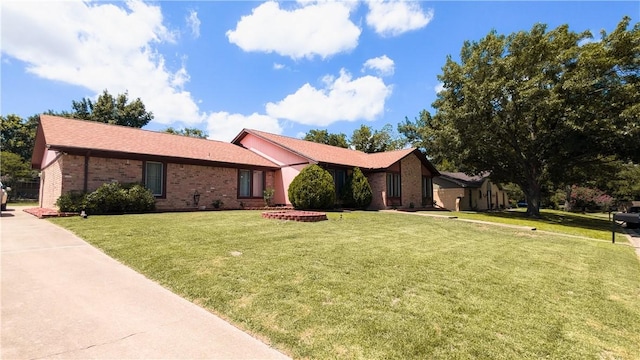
(312, 188)
(357, 192)
(72, 201)
(110, 198)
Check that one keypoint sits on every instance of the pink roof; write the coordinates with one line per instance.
(64, 134)
(322, 153)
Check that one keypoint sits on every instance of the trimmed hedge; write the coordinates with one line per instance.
(313, 188)
(357, 192)
(109, 198)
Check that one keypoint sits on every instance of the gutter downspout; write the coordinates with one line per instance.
(86, 172)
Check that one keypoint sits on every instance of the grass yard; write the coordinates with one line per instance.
(385, 285)
(596, 226)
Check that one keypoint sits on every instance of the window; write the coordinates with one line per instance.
(339, 179)
(153, 177)
(427, 187)
(393, 185)
(250, 183)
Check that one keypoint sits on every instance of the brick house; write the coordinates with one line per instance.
(77, 155)
(401, 178)
(188, 173)
(460, 192)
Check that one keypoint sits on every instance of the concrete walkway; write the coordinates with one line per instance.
(62, 298)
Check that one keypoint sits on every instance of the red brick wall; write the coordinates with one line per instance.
(411, 179)
(378, 183)
(51, 184)
(212, 183)
(105, 170)
(411, 171)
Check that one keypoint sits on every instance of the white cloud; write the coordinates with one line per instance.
(382, 64)
(321, 28)
(100, 46)
(224, 126)
(438, 87)
(342, 98)
(277, 66)
(193, 23)
(395, 17)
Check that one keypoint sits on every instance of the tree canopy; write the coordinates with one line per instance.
(372, 141)
(534, 104)
(190, 132)
(14, 167)
(108, 109)
(324, 137)
(17, 135)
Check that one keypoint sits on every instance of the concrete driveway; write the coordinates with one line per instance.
(62, 298)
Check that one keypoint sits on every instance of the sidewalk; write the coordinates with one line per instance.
(62, 298)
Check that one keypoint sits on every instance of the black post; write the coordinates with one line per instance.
(613, 229)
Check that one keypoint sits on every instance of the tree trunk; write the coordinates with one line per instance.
(533, 194)
(567, 201)
(533, 204)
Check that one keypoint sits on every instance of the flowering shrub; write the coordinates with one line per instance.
(584, 198)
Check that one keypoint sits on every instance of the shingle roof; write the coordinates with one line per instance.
(322, 153)
(313, 151)
(465, 180)
(64, 134)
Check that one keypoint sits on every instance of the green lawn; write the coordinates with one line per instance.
(597, 226)
(389, 286)
(32, 203)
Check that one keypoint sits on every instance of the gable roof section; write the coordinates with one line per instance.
(465, 180)
(385, 159)
(77, 136)
(315, 152)
(322, 153)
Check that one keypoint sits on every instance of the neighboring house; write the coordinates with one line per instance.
(459, 192)
(77, 155)
(401, 178)
(188, 173)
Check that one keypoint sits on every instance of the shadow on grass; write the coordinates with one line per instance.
(560, 219)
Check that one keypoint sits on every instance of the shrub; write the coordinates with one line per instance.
(139, 199)
(109, 198)
(583, 198)
(268, 195)
(72, 201)
(357, 192)
(313, 188)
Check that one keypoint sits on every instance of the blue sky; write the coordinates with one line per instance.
(284, 67)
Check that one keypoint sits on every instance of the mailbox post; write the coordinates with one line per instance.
(632, 220)
(613, 229)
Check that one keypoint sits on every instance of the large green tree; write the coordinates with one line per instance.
(13, 167)
(372, 141)
(535, 104)
(108, 109)
(324, 137)
(17, 135)
(625, 184)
